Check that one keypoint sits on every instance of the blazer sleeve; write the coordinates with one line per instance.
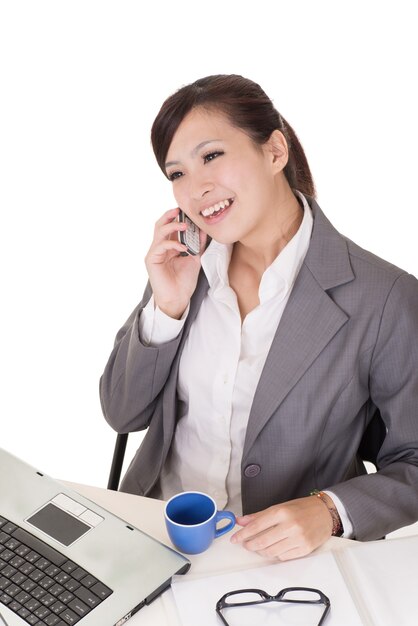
(135, 375)
(381, 502)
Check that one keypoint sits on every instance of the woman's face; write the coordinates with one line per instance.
(221, 179)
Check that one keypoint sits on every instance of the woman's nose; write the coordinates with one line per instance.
(199, 186)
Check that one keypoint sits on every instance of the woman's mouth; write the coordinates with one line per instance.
(217, 209)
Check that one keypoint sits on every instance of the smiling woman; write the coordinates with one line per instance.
(271, 365)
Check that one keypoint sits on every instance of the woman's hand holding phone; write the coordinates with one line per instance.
(172, 275)
(190, 236)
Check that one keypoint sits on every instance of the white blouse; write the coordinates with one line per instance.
(220, 367)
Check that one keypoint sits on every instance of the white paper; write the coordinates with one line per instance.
(385, 574)
(196, 598)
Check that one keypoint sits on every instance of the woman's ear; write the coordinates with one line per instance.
(278, 149)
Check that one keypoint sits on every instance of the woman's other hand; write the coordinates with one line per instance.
(286, 531)
(173, 277)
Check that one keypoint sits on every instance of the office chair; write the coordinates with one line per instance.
(117, 461)
(373, 439)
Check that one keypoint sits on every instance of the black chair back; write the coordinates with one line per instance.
(373, 439)
(117, 461)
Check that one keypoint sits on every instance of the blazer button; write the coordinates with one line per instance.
(251, 471)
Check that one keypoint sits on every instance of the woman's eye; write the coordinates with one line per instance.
(174, 175)
(211, 155)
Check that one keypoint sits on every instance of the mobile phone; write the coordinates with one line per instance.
(189, 237)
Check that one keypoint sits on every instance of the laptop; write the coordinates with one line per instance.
(65, 560)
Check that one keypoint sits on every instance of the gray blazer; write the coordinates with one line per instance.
(346, 349)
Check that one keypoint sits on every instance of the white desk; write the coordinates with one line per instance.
(147, 514)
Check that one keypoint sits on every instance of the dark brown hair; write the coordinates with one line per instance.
(246, 106)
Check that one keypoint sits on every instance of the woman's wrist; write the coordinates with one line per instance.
(175, 311)
(337, 526)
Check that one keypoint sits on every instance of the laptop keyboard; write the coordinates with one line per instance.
(40, 584)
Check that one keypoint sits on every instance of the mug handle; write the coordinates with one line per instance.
(224, 515)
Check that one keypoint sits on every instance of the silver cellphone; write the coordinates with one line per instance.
(189, 237)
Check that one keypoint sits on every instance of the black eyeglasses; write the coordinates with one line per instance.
(290, 595)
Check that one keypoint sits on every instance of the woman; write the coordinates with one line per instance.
(266, 366)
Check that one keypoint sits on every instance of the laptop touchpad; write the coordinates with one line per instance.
(58, 524)
(64, 519)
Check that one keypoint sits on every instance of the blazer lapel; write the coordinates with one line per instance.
(309, 322)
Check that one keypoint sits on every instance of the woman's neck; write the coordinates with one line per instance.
(274, 235)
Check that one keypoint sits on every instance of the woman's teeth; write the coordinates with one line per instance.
(219, 206)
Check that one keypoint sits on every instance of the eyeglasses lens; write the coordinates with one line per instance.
(246, 597)
(301, 595)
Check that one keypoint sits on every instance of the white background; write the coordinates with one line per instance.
(81, 82)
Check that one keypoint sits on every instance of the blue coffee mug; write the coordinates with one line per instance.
(191, 518)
